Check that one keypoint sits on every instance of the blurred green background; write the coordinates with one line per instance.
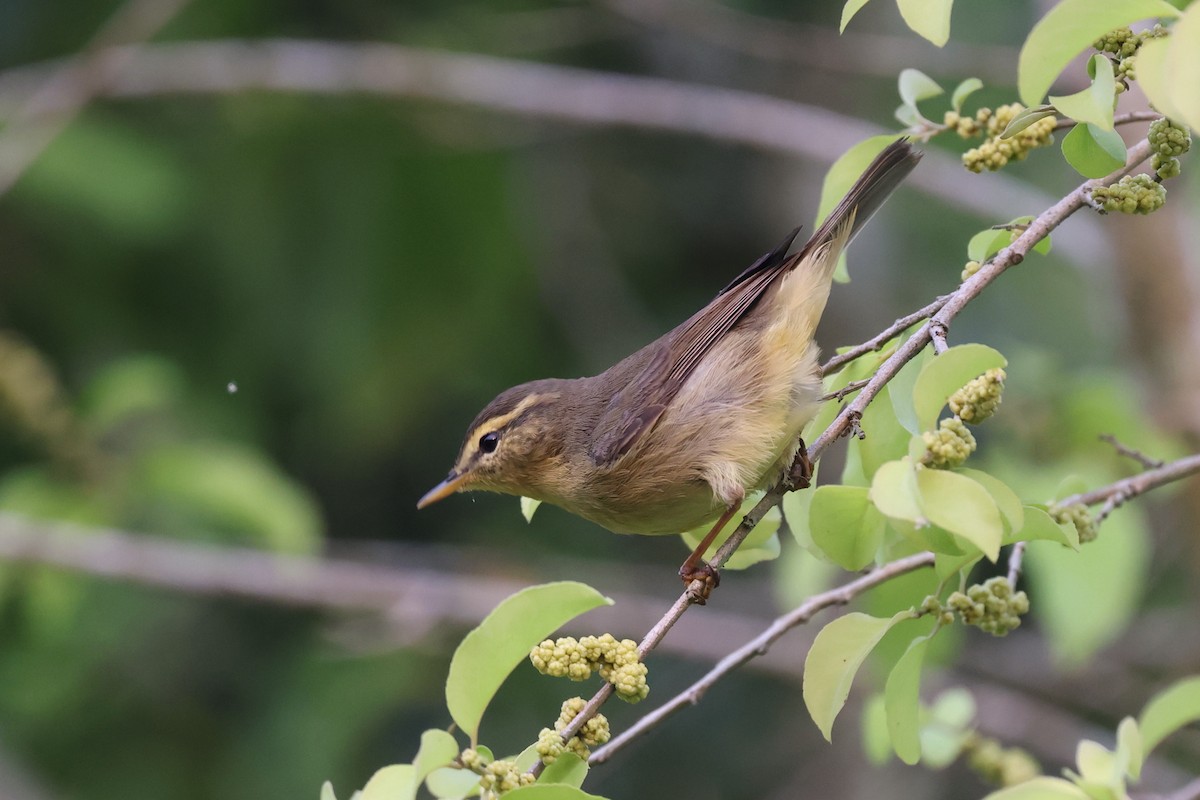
(262, 319)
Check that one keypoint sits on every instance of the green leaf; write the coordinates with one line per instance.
(550, 791)
(1026, 118)
(908, 116)
(877, 742)
(1155, 78)
(851, 8)
(327, 791)
(961, 506)
(450, 783)
(928, 18)
(902, 695)
(567, 769)
(842, 175)
(833, 660)
(1116, 561)
(1069, 28)
(438, 749)
(1040, 525)
(1183, 62)
(845, 525)
(1094, 104)
(1129, 747)
(900, 390)
(761, 545)
(528, 507)
(1098, 765)
(1041, 788)
(1011, 509)
(391, 783)
(987, 243)
(1169, 710)
(795, 508)
(886, 439)
(1094, 153)
(916, 86)
(503, 640)
(963, 91)
(947, 726)
(946, 374)
(894, 492)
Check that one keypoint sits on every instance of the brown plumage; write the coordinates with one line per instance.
(680, 431)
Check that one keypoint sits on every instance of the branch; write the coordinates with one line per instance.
(528, 89)
(63, 93)
(1137, 455)
(1119, 119)
(760, 645)
(1116, 494)
(847, 420)
(883, 337)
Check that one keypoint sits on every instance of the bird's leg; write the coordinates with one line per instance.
(696, 568)
(801, 472)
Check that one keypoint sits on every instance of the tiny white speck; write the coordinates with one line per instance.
(231, 387)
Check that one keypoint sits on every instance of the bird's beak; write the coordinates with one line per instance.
(444, 489)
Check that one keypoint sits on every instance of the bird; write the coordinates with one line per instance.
(677, 434)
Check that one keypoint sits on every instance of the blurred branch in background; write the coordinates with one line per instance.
(537, 90)
(62, 93)
(814, 47)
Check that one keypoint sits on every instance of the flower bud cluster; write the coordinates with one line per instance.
(996, 152)
(1133, 194)
(949, 446)
(1079, 516)
(616, 661)
(594, 733)
(999, 765)
(495, 777)
(991, 606)
(978, 400)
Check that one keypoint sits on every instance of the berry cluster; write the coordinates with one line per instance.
(1079, 516)
(616, 661)
(991, 606)
(1169, 142)
(978, 400)
(594, 733)
(495, 777)
(1122, 45)
(1133, 194)
(949, 446)
(995, 152)
(996, 764)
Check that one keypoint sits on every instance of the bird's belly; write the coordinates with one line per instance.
(666, 507)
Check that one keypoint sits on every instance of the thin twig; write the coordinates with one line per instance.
(1015, 557)
(760, 645)
(883, 337)
(937, 335)
(1119, 119)
(1137, 455)
(849, 388)
(1131, 487)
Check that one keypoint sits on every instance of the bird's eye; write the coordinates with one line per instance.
(488, 442)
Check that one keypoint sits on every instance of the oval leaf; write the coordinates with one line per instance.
(1183, 67)
(503, 640)
(1069, 28)
(438, 749)
(961, 506)
(391, 783)
(1040, 525)
(894, 491)
(845, 525)
(550, 791)
(963, 91)
(1169, 711)
(1095, 103)
(946, 374)
(928, 18)
(1129, 747)
(567, 769)
(1006, 499)
(834, 659)
(1093, 152)
(1041, 788)
(450, 783)
(851, 8)
(1026, 118)
(916, 86)
(902, 698)
(1154, 78)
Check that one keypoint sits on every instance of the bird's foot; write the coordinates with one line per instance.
(706, 574)
(801, 472)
